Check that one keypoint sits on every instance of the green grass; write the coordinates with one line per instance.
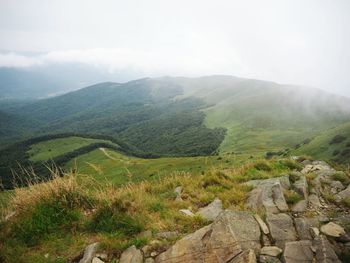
(121, 169)
(46, 150)
(322, 146)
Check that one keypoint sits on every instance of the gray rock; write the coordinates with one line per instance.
(281, 228)
(186, 212)
(336, 187)
(224, 240)
(262, 224)
(268, 259)
(131, 255)
(323, 219)
(298, 251)
(343, 194)
(272, 251)
(314, 202)
(300, 207)
(333, 230)
(267, 195)
(303, 226)
(266, 240)
(211, 211)
(149, 260)
(314, 232)
(89, 253)
(300, 186)
(178, 191)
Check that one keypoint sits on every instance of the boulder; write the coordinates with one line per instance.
(267, 195)
(281, 228)
(89, 253)
(149, 260)
(303, 227)
(300, 207)
(298, 251)
(272, 251)
(225, 240)
(333, 230)
(262, 224)
(131, 255)
(211, 211)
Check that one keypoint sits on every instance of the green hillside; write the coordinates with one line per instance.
(332, 144)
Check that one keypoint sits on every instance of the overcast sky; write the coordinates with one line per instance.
(288, 41)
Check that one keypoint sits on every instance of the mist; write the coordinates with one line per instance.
(293, 42)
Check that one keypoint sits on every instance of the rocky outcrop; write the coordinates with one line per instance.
(281, 228)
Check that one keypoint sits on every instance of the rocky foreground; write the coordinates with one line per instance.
(299, 217)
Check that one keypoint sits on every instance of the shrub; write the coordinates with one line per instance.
(348, 144)
(156, 207)
(337, 139)
(346, 202)
(294, 176)
(292, 197)
(262, 166)
(335, 152)
(45, 219)
(115, 220)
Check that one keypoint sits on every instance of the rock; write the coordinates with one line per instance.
(333, 230)
(89, 253)
(178, 191)
(303, 226)
(300, 207)
(224, 240)
(149, 260)
(146, 250)
(281, 228)
(336, 187)
(272, 251)
(131, 255)
(268, 259)
(300, 186)
(267, 195)
(314, 232)
(314, 201)
(262, 224)
(278, 198)
(266, 240)
(298, 251)
(167, 235)
(343, 194)
(213, 243)
(211, 211)
(247, 256)
(324, 251)
(102, 256)
(97, 260)
(323, 219)
(186, 212)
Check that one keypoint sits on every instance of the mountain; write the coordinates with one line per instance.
(191, 116)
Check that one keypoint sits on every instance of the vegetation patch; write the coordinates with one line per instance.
(337, 139)
(292, 197)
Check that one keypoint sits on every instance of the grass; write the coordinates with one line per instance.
(342, 177)
(63, 215)
(292, 197)
(47, 150)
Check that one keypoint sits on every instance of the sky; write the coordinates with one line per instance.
(303, 42)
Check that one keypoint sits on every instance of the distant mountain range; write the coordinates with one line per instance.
(183, 116)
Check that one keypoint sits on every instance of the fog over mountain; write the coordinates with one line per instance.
(294, 42)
